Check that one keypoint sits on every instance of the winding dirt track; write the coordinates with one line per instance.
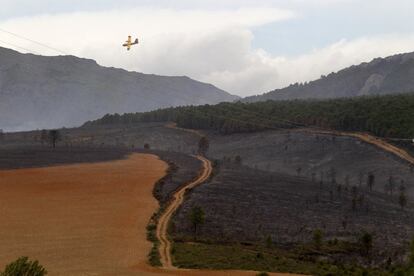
(162, 227)
(370, 139)
(189, 130)
(165, 244)
(385, 146)
(178, 198)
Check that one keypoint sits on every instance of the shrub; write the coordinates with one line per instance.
(317, 238)
(23, 267)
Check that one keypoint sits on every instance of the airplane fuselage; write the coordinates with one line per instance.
(129, 43)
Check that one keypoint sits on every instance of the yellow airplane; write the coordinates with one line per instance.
(129, 43)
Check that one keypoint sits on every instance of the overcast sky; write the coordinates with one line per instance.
(242, 46)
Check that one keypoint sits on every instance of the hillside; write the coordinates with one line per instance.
(286, 184)
(391, 75)
(282, 184)
(46, 92)
(385, 116)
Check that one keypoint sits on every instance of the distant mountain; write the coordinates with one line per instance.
(48, 92)
(381, 76)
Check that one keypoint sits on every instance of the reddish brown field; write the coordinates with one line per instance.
(86, 219)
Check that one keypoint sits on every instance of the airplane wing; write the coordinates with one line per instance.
(129, 43)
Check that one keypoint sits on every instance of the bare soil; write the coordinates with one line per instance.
(86, 219)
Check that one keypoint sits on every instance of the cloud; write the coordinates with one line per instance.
(209, 45)
(173, 42)
(263, 72)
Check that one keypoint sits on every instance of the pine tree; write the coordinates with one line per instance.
(197, 218)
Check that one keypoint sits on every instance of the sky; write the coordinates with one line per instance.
(244, 47)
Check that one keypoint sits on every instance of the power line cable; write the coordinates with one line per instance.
(33, 41)
(18, 47)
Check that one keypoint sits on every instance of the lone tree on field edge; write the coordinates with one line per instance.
(197, 218)
(203, 145)
(54, 137)
(23, 266)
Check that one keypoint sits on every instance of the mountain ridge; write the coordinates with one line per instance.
(390, 75)
(57, 91)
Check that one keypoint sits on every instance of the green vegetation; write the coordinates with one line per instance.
(386, 116)
(317, 238)
(24, 267)
(154, 257)
(154, 254)
(412, 253)
(365, 242)
(298, 260)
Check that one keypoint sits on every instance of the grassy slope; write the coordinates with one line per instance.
(299, 260)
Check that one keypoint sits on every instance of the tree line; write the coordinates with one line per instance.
(386, 116)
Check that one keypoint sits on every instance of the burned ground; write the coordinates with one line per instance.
(336, 159)
(291, 183)
(247, 205)
(183, 169)
(276, 188)
(36, 156)
(134, 136)
(156, 135)
(104, 143)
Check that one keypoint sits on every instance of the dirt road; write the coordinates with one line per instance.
(385, 146)
(370, 139)
(165, 244)
(162, 227)
(178, 198)
(189, 130)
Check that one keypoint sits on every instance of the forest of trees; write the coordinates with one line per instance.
(386, 116)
